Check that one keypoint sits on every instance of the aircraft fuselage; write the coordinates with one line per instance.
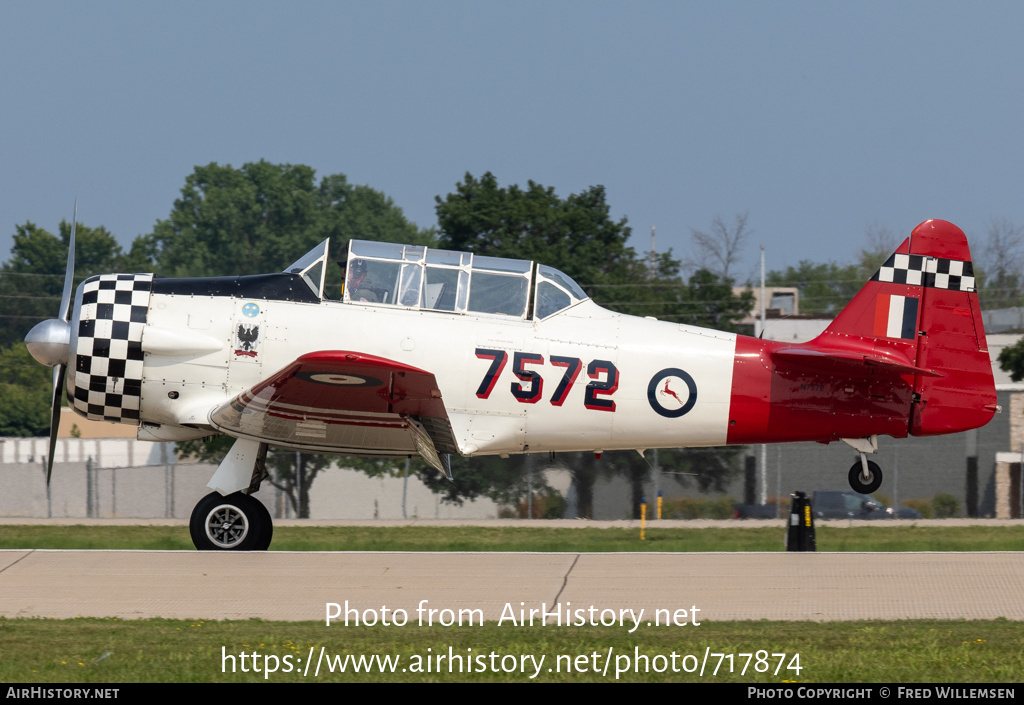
(585, 379)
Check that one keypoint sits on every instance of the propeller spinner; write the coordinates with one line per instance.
(49, 343)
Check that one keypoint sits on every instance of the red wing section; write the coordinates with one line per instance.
(338, 401)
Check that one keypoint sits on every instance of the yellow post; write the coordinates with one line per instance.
(659, 504)
(643, 518)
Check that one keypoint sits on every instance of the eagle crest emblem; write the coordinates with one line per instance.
(246, 338)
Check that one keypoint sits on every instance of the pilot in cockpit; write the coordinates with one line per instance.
(358, 284)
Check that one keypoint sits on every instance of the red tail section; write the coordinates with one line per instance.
(906, 356)
(920, 311)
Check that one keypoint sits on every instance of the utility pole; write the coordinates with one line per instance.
(529, 485)
(764, 446)
(298, 484)
(652, 259)
(405, 486)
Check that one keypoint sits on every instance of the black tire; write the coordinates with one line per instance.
(871, 485)
(268, 525)
(235, 522)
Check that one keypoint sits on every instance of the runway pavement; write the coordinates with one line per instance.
(721, 586)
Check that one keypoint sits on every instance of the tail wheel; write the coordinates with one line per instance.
(857, 479)
(236, 522)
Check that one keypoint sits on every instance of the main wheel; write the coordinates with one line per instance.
(857, 482)
(236, 522)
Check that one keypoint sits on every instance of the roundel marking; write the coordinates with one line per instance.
(339, 379)
(672, 392)
(250, 310)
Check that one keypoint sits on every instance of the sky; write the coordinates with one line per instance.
(817, 119)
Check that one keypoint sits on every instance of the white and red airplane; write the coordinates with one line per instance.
(433, 352)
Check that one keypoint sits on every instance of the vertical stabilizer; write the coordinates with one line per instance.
(921, 310)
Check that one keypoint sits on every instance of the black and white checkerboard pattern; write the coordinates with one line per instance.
(934, 272)
(107, 381)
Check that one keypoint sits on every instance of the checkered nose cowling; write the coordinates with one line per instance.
(104, 381)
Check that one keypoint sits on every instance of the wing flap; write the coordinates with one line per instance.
(338, 401)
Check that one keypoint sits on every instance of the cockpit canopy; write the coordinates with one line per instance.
(422, 278)
(312, 267)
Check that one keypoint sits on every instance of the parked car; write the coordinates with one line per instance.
(847, 504)
(755, 511)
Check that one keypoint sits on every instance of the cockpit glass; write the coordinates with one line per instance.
(555, 292)
(311, 267)
(517, 266)
(417, 277)
(550, 300)
(382, 250)
(498, 293)
(567, 283)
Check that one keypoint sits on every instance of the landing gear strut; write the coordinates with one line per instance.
(865, 476)
(232, 519)
(236, 522)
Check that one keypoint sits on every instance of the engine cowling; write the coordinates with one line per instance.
(104, 379)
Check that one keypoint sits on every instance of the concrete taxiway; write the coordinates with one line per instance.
(722, 586)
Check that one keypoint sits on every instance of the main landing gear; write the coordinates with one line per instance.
(235, 520)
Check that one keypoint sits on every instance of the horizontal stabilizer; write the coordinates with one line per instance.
(847, 362)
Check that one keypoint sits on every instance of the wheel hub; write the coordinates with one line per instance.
(226, 526)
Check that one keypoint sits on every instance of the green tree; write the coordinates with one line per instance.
(32, 280)
(706, 469)
(824, 288)
(36, 251)
(293, 473)
(945, 505)
(25, 388)
(263, 216)
(503, 480)
(710, 303)
(575, 234)
(1011, 360)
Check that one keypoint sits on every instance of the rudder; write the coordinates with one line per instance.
(951, 337)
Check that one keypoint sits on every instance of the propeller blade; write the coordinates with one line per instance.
(64, 313)
(58, 385)
(69, 273)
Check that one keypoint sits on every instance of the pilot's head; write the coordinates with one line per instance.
(358, 268)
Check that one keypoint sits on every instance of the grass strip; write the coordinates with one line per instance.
(584, 540)
(116, 651)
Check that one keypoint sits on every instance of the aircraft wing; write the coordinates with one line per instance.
(337, 401)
